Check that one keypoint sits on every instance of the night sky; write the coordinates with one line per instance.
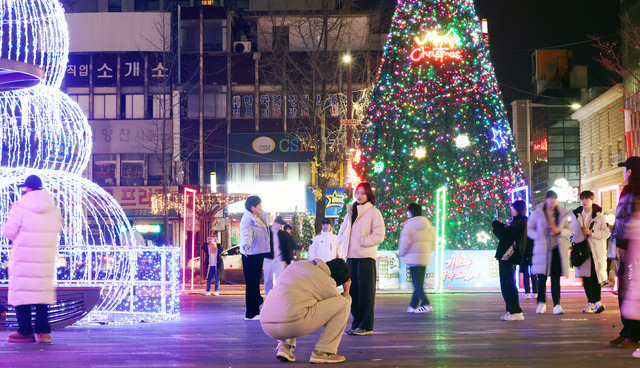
(518, 27)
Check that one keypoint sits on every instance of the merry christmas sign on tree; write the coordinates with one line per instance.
(438, 124)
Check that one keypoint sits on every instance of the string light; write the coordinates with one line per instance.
(43, 132)
(35, 32)
(437, 89)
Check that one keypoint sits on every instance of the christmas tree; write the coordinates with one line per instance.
(438, 126)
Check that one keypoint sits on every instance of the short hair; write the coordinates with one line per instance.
(415, 209)
(339, 270)
(252, 201)
(520, 206)
(551, 194)
(587, 194)
(367, 189)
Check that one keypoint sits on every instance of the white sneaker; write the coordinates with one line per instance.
(411, 310)
(527, 296)
(284, 353)
(558, 309)
(216, 293)
(255, 318)
(636, 354)
(512, 317)
(589, 309)
(542, 307)
(206, 294)
(533, 296)
(599, 307)
(424, 309)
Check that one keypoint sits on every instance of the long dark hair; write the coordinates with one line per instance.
(367, 189)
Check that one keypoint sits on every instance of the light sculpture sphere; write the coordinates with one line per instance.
(34, 32)
(42, 128)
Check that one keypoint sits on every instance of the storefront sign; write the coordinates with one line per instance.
(269, 148)
(136, 201)
(124, 136)
(334, 202)
(277, 196)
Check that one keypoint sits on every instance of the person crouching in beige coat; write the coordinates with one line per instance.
(305, 299)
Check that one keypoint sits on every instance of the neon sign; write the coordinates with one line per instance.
(541, 145)
(437, 47)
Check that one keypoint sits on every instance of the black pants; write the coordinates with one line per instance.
(23, 315)
(508, 286)
(592, 287)
(630, 327)
(556, 272)
(252, 269)
(362, 291)
(530, 281)
(419, 298)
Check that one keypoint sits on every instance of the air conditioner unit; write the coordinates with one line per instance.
(241, 47)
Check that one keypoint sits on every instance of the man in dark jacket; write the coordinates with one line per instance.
(630, 333)
(281, 253)
(513, 234)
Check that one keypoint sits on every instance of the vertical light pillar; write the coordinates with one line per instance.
(441, 212)
(188, 191)
(627, 130)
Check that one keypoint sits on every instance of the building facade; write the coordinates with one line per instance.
(602, 147)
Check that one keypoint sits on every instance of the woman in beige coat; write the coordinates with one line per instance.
(361, 232)
(589, 223)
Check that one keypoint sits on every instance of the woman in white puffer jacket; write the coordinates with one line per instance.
(417, 241)
(361, 232)
(33, 226)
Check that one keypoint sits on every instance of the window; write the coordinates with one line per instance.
(104, 106)
(584, 165)
(280, 38)
(601, 160)
(133, 106)
(215, 105)
(242, 173)
(142, 5)
(115, 5)
(104, 170)
(83, 102)
(611, 157)
(593, 165)
(160, 106)
(271, 171)
(619, 151)
(132, 170)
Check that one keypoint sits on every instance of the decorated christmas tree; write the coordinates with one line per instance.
(438, 128)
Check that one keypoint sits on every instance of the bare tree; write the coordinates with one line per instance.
(167, 142)
(307, 49)
(622, 56)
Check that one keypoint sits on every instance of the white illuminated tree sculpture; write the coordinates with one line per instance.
(44, 132)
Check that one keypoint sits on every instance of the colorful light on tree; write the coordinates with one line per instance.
(437, 90)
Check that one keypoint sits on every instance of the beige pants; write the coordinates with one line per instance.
(331, 313)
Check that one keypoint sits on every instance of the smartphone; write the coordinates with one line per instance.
(497, 214)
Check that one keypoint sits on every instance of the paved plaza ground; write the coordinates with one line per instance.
(464, 331)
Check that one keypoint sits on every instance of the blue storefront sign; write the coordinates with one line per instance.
(335, 200)
(269, 148)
